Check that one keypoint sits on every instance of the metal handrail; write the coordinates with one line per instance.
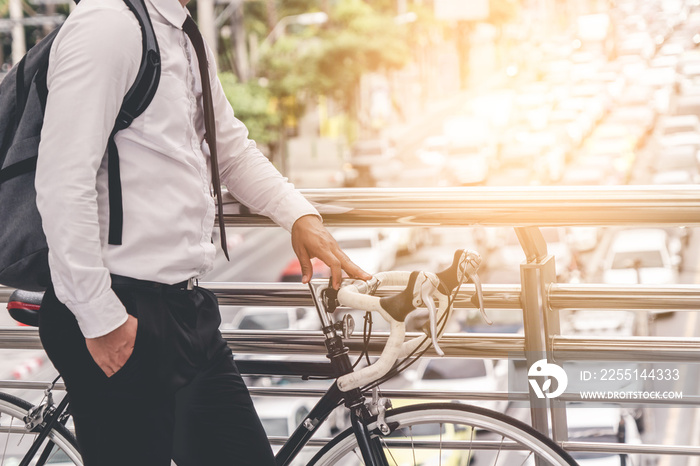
(482, 345)
(487, 207)
(495, 206)
(561, 296)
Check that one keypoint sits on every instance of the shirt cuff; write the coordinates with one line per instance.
(292, 209)
(99, 316)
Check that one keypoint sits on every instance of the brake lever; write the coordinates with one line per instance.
(428, 286)
(467, 263)
(329, 296)
(480, 297)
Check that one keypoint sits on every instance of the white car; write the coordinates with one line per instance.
(603, 323)
(281, 416)
(372, 249)
(460, 375)
(642, 256)
(608, 424)
(678, 124)
(509, 253)
(274, 318)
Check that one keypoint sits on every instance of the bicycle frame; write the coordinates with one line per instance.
(354, 400)
(339, 364)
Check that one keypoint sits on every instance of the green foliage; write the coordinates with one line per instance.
(252, 105)
(331, 59)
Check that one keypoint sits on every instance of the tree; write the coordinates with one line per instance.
(332, 59)
(253, 106)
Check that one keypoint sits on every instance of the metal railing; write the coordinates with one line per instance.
(538, 296)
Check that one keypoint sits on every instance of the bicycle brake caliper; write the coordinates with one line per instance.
(36, 415)
(378, 406)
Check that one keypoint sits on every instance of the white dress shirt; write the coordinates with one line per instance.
(168, 206)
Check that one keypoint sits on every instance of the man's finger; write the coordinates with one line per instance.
(355, 271)
(307, 270)
(335, 265)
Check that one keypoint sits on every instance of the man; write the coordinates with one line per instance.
(138, 347)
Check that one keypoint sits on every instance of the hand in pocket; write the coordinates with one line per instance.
(111, 351)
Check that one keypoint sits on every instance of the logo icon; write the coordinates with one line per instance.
(542, 368)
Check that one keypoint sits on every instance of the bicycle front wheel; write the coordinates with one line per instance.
(449, 434)
(15, 438)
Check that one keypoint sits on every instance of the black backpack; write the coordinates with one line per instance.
(23, 92)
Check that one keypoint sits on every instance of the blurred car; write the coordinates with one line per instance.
(570, 125)
(608, 424)
(292, 272)
(409, 239)
(583, 175)
(603, 323)
(638, 116)
(679, 139)
(433, 150)
(680, 157)
(672, 124)
(466, 170)
(274, 318)
(637, 44)
(676, 165)
(675, 177)
(509, 253)
(370, 248)
(686, 105)
(582, 239)
(644, 256)
(460, 375)
(281, 416)
(372, 162)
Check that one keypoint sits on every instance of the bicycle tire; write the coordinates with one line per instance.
(342, 451)
(15, 438)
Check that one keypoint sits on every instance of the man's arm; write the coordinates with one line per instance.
(93, 63)
(255, 182)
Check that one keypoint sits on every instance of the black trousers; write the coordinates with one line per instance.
(179, 396)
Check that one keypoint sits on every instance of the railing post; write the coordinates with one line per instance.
(537, 273)
(535, 348)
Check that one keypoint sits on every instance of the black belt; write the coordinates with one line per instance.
(119, 280)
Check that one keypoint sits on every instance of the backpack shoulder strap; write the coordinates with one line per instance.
(135, 102)
(142, 91)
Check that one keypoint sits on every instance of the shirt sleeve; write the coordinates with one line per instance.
(247, 173)
(93, 63)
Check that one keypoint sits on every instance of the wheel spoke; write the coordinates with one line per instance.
(526, 458)
(440, 451)
(9, 435)
(458, 439)
(471, 441)
(499, 450)
(59, 446)
(413, 447)
(386, 447)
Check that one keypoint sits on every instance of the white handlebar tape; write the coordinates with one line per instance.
(395, 347)
(381, 366)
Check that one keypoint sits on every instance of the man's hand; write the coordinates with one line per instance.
(311, 239)
(112, 350)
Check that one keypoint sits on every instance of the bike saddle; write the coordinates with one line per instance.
(24, 306)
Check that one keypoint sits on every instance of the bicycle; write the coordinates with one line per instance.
(452, 434)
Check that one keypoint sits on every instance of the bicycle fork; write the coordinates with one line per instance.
(370, 446)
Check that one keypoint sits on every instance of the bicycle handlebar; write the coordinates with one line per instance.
(421, 288)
